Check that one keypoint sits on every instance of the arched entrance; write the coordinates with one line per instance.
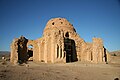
(70, 49)
(67, 35)
(30, 52)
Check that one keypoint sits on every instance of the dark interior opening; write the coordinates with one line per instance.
(30, 55)
(22, 50)
(91, 56)
(67, 35)
(70, 49)
(57, 51)
(105, 55)
(53, 23)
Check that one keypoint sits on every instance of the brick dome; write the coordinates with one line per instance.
(59, 23)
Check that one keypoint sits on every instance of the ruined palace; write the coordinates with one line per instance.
(59, 43)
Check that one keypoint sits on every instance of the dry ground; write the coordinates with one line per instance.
(69, 71)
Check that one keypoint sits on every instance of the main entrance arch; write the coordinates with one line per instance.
(70, 49)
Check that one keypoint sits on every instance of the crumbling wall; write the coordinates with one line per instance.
(14, 51)
(22, 49)
(98, 50)
(19, 50)
(51, 48)
(86, 52)
(35, 45)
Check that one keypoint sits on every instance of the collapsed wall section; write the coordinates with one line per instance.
(19, 50)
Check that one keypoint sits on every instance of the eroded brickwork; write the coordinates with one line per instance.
(59, 43)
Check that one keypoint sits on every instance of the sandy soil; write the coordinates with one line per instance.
(68, 71)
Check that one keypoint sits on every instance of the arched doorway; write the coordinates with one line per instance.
(67, 35)
(30, 52)
(70, 49)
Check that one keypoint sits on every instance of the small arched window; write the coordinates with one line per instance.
(67, 34)
(53, 23)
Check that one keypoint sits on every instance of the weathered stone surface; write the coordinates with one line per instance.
(59, 43)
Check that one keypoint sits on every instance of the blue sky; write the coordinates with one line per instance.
(91, 18)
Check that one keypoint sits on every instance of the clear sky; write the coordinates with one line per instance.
(91, 18)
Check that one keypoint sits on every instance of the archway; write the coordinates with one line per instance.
(30, 52)
(67, 35)
(70, 49)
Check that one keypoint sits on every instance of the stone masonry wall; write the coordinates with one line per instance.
(59, 43)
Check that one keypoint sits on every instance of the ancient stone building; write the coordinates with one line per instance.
(59, 43)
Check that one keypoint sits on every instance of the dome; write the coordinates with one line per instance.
(59, 23)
